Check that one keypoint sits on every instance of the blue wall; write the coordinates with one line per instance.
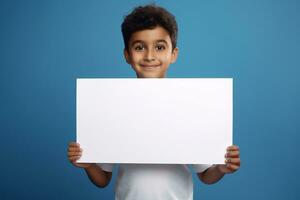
(46, 45)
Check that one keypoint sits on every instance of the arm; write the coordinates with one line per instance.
(96, 175)
(211, 175)
(217, 172)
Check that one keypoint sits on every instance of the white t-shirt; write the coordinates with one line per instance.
(154, 181)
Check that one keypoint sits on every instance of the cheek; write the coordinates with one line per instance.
(136, 57)
(165, 58)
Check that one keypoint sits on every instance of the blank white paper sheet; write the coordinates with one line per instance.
(154, 120)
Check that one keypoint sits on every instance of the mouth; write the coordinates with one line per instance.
(150, 67)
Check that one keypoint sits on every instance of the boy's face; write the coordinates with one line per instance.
(150, 53)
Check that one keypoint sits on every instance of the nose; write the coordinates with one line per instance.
(149, 56)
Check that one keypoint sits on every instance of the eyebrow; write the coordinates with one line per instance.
(163, 41)
(137, 41)
(141, 41)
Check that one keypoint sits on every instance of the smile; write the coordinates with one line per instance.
(150, 66)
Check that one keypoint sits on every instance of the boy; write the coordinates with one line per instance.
(150, 35)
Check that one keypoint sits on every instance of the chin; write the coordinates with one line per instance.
(150, 75)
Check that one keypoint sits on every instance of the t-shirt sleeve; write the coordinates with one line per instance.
(198, 168)
(106, 166)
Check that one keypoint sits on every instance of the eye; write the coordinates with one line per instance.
(139, 47)
(160, 47)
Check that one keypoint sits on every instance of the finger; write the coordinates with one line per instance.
(74, 153)
(77, 149)
(74, 144)
(74, 158)
(232, 167)
(235, 161)
(232, 154)
(232, 147)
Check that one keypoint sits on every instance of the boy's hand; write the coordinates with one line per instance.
(74, 153)
(232, 160)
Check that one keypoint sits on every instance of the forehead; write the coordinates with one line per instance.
(150, 35)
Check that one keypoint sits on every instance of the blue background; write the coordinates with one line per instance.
(46, 45)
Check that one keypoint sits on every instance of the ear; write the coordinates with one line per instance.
(174, 55)
(126, 55)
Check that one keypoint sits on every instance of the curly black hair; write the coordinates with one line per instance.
(148, 17)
